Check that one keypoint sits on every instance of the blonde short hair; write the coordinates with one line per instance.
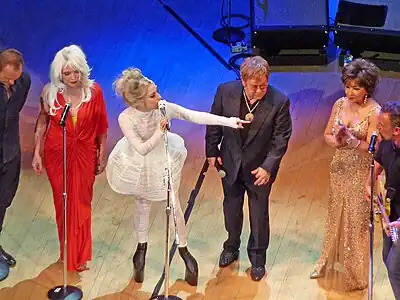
(132, 86)
(254, 67)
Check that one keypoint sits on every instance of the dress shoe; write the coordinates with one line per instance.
(257, 273)
(4, 269)
(227, 258)
(192, 269)
(139, 259)
(7, 258)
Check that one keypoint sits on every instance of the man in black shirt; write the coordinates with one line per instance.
(387, 158)
(14, 88)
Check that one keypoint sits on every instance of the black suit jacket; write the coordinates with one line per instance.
(267, 139)
(9, 117)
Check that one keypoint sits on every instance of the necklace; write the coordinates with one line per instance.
(249, 116)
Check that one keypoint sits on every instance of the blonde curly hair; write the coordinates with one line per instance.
(132, 86)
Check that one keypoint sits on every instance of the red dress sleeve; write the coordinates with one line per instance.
(102, 120)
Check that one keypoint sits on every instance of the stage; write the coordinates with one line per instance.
(119, 34)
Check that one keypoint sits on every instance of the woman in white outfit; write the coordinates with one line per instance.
(137, 164)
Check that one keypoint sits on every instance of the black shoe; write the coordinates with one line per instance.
(139, 259)
(257, 273)
(227, 258)
(7, 258)
(192, 269)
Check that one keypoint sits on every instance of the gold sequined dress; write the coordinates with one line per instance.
(343, 263)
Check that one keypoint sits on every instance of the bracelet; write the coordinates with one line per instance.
(350, 140)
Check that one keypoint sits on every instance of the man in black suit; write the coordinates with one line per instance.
(250, 157)
(14, 88)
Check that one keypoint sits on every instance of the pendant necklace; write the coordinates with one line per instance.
(249, 116)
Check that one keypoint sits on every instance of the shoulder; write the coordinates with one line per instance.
(375, 108)
(26, 78)
(339, 103)
(96, 89)
(44, 95)
(126, 114)
(230, 85)
(277, 97)
(45, 90)
(384, 148)
(123, 118)
(385, 145)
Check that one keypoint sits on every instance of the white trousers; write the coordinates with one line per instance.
(142, 215)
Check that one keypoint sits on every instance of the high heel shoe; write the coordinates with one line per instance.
(139, 259)
(318, 272)
(192, 269)
(315, 274)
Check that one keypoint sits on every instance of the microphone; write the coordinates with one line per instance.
(220, 169)
(65, 114)
(371, 147)
(161, 107)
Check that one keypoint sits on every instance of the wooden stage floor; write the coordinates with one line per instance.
(142, 34)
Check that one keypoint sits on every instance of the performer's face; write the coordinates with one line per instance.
(255, 88)
(152, 98)
(8, 75)
(385, 127)
(354, 92)
(71, 77)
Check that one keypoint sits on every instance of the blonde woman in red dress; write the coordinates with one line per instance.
(86, 130)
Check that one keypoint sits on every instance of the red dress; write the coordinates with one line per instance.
(81, 166)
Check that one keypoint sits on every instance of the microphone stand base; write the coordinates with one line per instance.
(69, 292)
(162, 297)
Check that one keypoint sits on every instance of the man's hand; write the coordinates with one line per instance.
(211, 161)
(262, 176)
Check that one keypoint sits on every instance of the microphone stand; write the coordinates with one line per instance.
(65, 291)
(371, 225)
(166, 295)
(227, 34)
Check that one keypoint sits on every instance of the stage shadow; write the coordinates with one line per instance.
(226, 284)
(37, 288)
(130, 292)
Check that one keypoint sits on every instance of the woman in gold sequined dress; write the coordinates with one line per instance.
(345, 254)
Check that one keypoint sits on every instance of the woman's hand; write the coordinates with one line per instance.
(101, 163)
(164, 125)
(238, 123)
(37, 164)
(343, 135)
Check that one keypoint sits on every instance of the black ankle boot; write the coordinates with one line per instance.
(139, 259)
(192, 270)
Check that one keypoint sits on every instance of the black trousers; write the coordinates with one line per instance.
(9, 180)
(258, 197)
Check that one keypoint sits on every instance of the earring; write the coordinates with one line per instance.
(365, 98)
